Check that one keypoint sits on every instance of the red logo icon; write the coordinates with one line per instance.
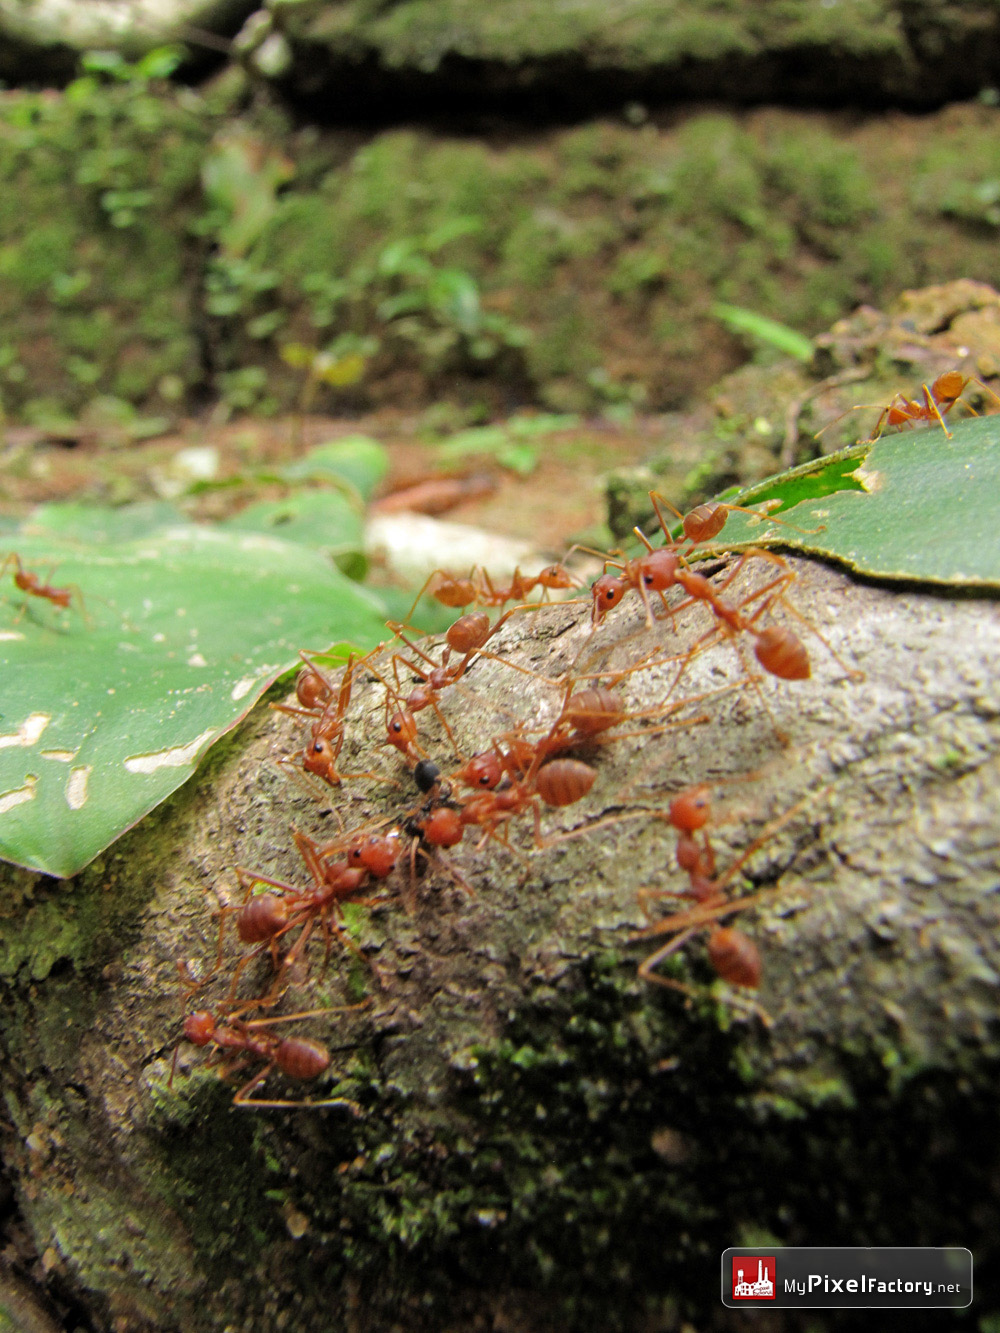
(754, 1277)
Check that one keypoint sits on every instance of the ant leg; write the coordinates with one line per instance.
(931, 409)
(242, 1098)
(648, 965)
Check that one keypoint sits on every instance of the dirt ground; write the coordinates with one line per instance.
(559, 501)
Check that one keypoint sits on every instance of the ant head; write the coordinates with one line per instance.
(318, 756)
(607, 592)
(482, 770)
(401, 730)
(555, 576)
(690, 810)
(380, 855)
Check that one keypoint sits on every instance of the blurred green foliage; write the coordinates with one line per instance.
(157, 243)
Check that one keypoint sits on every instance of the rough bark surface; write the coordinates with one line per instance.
(545, 1140)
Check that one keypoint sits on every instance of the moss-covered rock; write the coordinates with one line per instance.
(531, 57)
(156, 248)
(542, 1133)
(100, 280)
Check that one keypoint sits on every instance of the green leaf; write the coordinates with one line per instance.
(911, 505)
(764, 330)
(105, 714)
(475, 440)
(521, 458)
(88, 523)
(358, 460)
(323, 520)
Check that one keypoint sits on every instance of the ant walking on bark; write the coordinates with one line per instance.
(238, 1041)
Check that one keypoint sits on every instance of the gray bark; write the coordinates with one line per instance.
(546, 1141)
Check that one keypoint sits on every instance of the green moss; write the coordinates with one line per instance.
(640, 35)
(127, 262)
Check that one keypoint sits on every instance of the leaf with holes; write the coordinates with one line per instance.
(107, 707)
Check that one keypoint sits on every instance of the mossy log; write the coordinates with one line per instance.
(545, 1140)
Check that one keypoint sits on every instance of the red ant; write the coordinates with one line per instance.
(265, 917)
(480, 590)
(902, 413)
(556, 782)
(778, 649)
(941, 397)
(467, 636)
(315, 693)
(666, 566)
(31, 583)
(733, 955)
(238, 1040)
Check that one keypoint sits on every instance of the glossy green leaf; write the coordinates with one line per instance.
(105, 711)
(912, 505)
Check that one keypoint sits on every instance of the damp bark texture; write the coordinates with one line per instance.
(545, 1140)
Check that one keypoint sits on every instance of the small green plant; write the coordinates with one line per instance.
(758, 328)
(338, 366)
(513, 443)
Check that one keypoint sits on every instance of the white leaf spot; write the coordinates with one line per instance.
(176, 757)
(10, 634)
(243, 687)
(63, 756)
(19, 795)
(76, 787)
(197, 660)
(28, 732)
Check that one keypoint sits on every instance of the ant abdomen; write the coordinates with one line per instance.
(262, 918)
(311, 689)
(589, 712)
(469, 632)
(300, 1058)
(781, 652)
(705, 522)
(735, 957)
(564, 781)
